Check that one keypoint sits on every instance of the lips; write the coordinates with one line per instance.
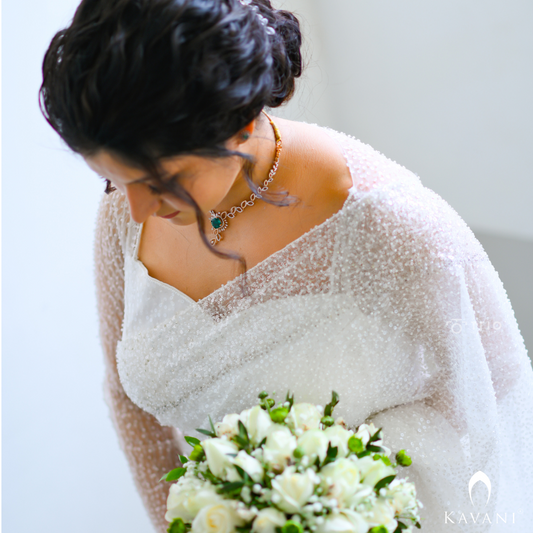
(172, 215)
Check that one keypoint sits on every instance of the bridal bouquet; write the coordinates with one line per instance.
(288, 469)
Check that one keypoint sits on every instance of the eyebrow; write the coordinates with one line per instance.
(140, 180)
(176, 175)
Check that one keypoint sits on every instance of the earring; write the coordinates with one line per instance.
(245, 136)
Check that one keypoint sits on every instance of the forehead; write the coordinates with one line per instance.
(110, 166)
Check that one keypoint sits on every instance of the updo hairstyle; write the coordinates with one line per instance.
(152, 79)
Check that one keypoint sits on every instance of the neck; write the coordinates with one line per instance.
(262, 147)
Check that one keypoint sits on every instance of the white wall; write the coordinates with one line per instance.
(442, 87)
(62, 468)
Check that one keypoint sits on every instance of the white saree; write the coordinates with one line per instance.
(391, 302)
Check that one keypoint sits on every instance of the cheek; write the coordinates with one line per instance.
(211, 189)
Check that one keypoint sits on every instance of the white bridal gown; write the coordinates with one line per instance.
(392, 302)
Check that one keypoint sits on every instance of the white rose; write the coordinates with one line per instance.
(373, 471)
(216, 451)
(246, 514)
(365, 431)
(403, 498)
(303, 416)
(314, 442)
(294, 489)
(341, 479)
(338, 436)
(229, 426)
(267, 520)
(279, 446)
(382, 513)
(250, 465)
(345, 522)
(217, 518)
(360, 525)
(186, 499)
(257, 422)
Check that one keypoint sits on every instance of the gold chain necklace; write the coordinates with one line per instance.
(219, 220)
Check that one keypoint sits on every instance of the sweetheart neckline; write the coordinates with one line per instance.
(239, 277)
(331, 133)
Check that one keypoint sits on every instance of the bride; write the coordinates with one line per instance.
(236, 252)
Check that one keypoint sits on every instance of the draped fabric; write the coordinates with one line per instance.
(391, 302)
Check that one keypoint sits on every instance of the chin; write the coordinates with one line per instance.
(182, 220)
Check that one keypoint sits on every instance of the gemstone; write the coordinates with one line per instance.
(216, 222)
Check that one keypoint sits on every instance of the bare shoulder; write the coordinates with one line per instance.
(316, 163)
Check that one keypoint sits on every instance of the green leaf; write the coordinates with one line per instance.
(384, 482)
(373, 448)
(192, 441)
(363, 454)
(332, 451)
(379, 529)
(330, 455)
(240, 441)
(241, 472)
(243, 432)
(211, 477)
(418, 525)
(183, 459)
(375, 436)
(328, 410)
(206, 432)
(177, 526)
(384, 458)
(212, 425)
(290, 399)
(173, 475)
(401, 527)
(230, 487)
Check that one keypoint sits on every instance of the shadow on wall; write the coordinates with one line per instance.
(513, 259)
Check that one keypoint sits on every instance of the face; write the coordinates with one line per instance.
(209, 181)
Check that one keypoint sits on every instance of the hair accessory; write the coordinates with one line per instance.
(264, 21)
(219, 221)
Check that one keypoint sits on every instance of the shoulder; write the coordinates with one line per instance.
(409, 228)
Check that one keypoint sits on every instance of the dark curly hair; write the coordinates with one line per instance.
(150, 79)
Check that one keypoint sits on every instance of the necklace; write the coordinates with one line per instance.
(219, 220)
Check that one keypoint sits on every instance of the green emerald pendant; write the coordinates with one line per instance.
(216, 222)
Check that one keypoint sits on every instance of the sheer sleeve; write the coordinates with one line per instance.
(150, 448)
(421, 268)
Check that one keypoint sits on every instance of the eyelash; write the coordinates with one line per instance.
(109, 188)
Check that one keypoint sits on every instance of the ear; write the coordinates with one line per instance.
(245, 133)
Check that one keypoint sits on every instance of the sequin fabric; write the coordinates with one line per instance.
(392, 302)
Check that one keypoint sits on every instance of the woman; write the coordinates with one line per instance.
(242, 252)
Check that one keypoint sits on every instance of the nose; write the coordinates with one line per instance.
(143, 203)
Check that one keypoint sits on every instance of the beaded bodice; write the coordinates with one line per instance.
(392, 302)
